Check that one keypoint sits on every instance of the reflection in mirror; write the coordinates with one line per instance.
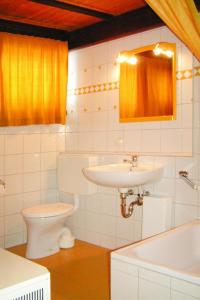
(147, 83)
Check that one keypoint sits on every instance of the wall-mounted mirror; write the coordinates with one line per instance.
(147, 83)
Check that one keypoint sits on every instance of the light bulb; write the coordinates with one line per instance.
(132, 60)
(157, 51)
(169, 53)
(121, 58)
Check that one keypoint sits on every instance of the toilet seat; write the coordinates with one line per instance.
(47, 210)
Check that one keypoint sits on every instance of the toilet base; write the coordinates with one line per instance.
(31, 253)
(64, 244)
(67, 239)
(46, 236)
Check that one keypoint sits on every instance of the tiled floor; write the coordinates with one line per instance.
(79, 273)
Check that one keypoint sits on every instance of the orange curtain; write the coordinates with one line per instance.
(159, 83)
(33, 80)
(182, 17)
(128, 90)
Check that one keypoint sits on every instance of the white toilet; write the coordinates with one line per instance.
(46, 228)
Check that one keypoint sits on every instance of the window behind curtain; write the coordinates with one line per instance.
(33, 80)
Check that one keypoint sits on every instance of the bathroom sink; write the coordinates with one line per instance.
(122, 175)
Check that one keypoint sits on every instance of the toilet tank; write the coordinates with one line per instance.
(70, 177)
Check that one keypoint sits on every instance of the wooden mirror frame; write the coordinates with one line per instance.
(164, 45)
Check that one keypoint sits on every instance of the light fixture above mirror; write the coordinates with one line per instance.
(158, 50)
(125, 58)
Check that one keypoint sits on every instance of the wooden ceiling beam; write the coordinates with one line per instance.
(75, 8)
(197, 3)
(27, 29)
(125, 24)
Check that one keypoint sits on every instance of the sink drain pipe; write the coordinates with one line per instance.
(127, 212)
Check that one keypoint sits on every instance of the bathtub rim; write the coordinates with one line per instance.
(152, 266)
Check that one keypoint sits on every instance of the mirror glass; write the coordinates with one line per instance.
(147, 83)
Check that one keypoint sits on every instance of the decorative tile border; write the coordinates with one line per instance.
(185, 74)
(108, 86)
(197, 71)
(102, 87)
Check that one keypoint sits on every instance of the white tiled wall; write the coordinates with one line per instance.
(93, 126)
(28, 166)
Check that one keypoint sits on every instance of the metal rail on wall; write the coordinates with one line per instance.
(184, 175)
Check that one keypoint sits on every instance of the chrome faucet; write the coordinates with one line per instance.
(132, 161)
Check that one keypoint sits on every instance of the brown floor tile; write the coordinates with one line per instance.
(78, 273)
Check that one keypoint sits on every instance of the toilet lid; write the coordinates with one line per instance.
(47, 210)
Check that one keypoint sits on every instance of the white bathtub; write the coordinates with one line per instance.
(174, 254)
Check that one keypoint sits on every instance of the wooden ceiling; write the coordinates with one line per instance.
(81, 22)
(57, 14)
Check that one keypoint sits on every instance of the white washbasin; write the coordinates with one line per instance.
(122, 175)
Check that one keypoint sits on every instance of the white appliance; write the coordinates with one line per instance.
(21, 279)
